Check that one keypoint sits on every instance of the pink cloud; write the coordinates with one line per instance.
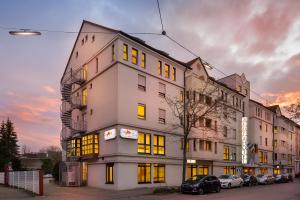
(49, 89)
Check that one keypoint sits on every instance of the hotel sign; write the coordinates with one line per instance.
(244, 140)
(128, 133)
(191, 161)
(110, 134)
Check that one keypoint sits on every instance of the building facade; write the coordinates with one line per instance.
(118, 130)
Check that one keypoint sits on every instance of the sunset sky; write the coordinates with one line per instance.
(259, 38)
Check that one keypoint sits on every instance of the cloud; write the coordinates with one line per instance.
(283, 99)
(49, 89)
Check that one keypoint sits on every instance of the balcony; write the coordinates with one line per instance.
(79, 102)
(79, 126)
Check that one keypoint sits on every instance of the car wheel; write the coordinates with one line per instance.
(200, 191)
(218, 189)
(229, 185)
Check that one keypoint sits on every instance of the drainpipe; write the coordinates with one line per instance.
(273, 133)
(184, 127)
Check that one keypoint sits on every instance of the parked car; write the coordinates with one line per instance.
(280, 178)
(265, 179)
(201, 184)
(229, 181)
(289, 177)
(250, 180)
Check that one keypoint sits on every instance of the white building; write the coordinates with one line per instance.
(118, 129)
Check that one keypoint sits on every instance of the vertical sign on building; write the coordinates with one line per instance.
(244, 140)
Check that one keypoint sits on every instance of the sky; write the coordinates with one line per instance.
(258, 38)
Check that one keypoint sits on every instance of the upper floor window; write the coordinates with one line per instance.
(86, 38)
(125, 52)
(90, 144)
(174, 74)
(162, 116)
(84, 97)
(181, 96)
(141, 111)
(159, 144)
(97, 65)
(134, 56)
(93, 38)
(159, 68)
(162, 90)
(226, 153)
(85, 70)
(142, 82)
(144, 143)
(143, 62)
(167, 71)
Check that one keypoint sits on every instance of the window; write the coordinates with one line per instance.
(84, 97)
(226, 153)
(76, 55)
(73, 147)
(93, 38)
(290, 159)
(162, 116)
(159, 68)
(144, 143)
(109, 173)
(159, 145)
(207, 145)
(208, 100)
(82, 42)
(275, 143)
(125, 52)
(263, 170)
(159, 173)
(173, 73)
(260, 140)
(91, 111)
(86, 38)
(216, 147)
(233, 153)
(234, 134)
(85, 69)
(187, 145)
(275, 156)
(181, 96)
(162, 90)
(144, 173)
(203, 170)
(84, 171)
(141, 111)
(225, 131)
(97, 65)
(134, 56)
(167, 71)
(90, 144)
(266, 141)
(143, 63)
(113, 55)
(191, 171)
(208, 123)
(142, 82)
(229, 170)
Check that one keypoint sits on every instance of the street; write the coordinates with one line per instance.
(288, 191)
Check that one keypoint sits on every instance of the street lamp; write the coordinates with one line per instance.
(24, 32)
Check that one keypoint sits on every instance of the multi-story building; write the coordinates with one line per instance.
(118, 130)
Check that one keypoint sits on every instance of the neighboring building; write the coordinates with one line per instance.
(117, 127)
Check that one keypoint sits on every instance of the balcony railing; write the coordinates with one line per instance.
(80, 125)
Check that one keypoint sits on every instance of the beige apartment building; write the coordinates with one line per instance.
(118, 130)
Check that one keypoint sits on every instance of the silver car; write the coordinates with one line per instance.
(229, 181)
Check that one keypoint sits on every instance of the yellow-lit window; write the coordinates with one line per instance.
(266, 157)
(226, 170)
(159, 68)
(232, 170)
(78, 147)
(141, 111)
(85, 69)
(276, 171)
(263, 170)
(159, 144)
(109, 173)
(203, 170)
(143, 63)
(290, 160)
(144, 173)
(84, 97)
(144, 143)
(181, 96)
(125, 52)
(167, 71)
(84, 171)
(191, 171)
(134, 56)
(73, 147)
(90, 145)
(226, 153)
(173, 73)
(96, 144)
(159, 173)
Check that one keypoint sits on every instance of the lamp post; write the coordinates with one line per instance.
(24, 32)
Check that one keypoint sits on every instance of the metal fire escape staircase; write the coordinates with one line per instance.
(69, 103)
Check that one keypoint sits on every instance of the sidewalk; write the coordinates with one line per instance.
(12, 193)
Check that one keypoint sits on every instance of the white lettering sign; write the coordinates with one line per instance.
(128, 133)
(191, 161)
(110, 134)
(244, 140)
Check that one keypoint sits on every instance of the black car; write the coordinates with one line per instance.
(281, 178)
(201, 184)
(289, 177)
(250, 180)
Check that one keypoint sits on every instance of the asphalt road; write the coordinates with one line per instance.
(286, 191)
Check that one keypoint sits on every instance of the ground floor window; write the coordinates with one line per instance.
(263, 170)
(109, 173)
(276, 171)
(203, 170)
(84, 171)
(249, 171)
(191, 170)
(159, 173)
(229, 170)
(144, 173)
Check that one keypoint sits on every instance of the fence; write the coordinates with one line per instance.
(29, 180)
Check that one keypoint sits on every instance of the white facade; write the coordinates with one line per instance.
(105, 92)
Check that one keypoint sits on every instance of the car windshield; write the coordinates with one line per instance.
(195, 178)
(260, 175)
(225, 177)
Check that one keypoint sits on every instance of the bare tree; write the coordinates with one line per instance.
(197, 109)
(293, 111)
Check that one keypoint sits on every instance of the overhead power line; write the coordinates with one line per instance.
(161, 21)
